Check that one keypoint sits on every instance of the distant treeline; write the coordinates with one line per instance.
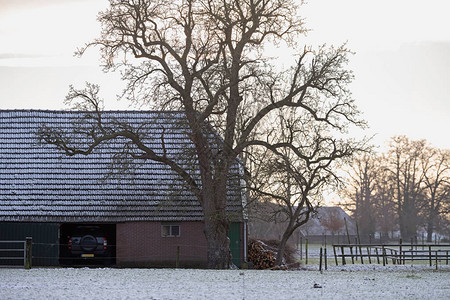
(407, 188)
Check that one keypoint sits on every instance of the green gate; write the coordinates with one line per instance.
(45, 240)
(235, 243)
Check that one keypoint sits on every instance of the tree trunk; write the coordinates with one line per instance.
(282, 247)
(408, 219)
(403, 227)
(216, 233)
(430, 232)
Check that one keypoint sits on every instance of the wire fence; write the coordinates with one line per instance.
(173, 254)
(13, 254)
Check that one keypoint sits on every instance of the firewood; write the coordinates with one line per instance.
(260, 256)
(263, 255)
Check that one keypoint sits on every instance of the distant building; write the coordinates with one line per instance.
(327, 224)
(147, 214)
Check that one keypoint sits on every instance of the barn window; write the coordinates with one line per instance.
(170, 230)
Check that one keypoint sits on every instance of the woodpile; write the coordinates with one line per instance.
(260, 255)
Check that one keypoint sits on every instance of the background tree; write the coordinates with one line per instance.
(436, 204)
(206, 58)
(363, 176)
(409, 188)
(404, 159)
(385, 212)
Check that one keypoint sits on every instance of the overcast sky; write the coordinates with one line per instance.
(401, 61)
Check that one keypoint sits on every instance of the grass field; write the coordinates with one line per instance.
(342, 282)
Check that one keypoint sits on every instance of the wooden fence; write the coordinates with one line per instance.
(396, 253)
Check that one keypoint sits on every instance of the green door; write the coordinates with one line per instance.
(235, 243)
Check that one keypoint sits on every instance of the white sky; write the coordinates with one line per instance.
(402, 60)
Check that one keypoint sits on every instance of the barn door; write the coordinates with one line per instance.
(235, 242)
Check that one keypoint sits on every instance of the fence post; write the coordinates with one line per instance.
(415, 241)
(325, 256)
(436, 259)
(359, 242)
(360, 250)
(28, 252)
(320, 260)
(348, 238)
(402, 258)
(423, 242)
(384, 255)
(376, 254)
(429, 254)
(335, 256)
(306, 251)
(351, 253)
(301, 248)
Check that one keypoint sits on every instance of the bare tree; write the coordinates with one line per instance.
(405, 167)
(408, 186)
(384, 204)
(362, 178)
(298, 167)
(436, 205)
(206, 58)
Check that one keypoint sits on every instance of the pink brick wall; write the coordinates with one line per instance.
(139, 244)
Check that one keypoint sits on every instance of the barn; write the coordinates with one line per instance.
(140, 211)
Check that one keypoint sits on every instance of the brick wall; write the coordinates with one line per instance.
(140, 244)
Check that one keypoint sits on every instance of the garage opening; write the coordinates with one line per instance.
(87, 244)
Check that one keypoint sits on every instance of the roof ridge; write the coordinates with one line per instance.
(91, 111)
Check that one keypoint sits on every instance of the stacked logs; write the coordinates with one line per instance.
(261, 255)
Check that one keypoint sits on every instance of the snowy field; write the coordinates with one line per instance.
(349, 282)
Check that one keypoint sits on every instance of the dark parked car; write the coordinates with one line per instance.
(88, 242)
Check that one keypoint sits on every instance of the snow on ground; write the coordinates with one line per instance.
(341, 282)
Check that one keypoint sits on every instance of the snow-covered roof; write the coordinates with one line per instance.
(41, 184)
